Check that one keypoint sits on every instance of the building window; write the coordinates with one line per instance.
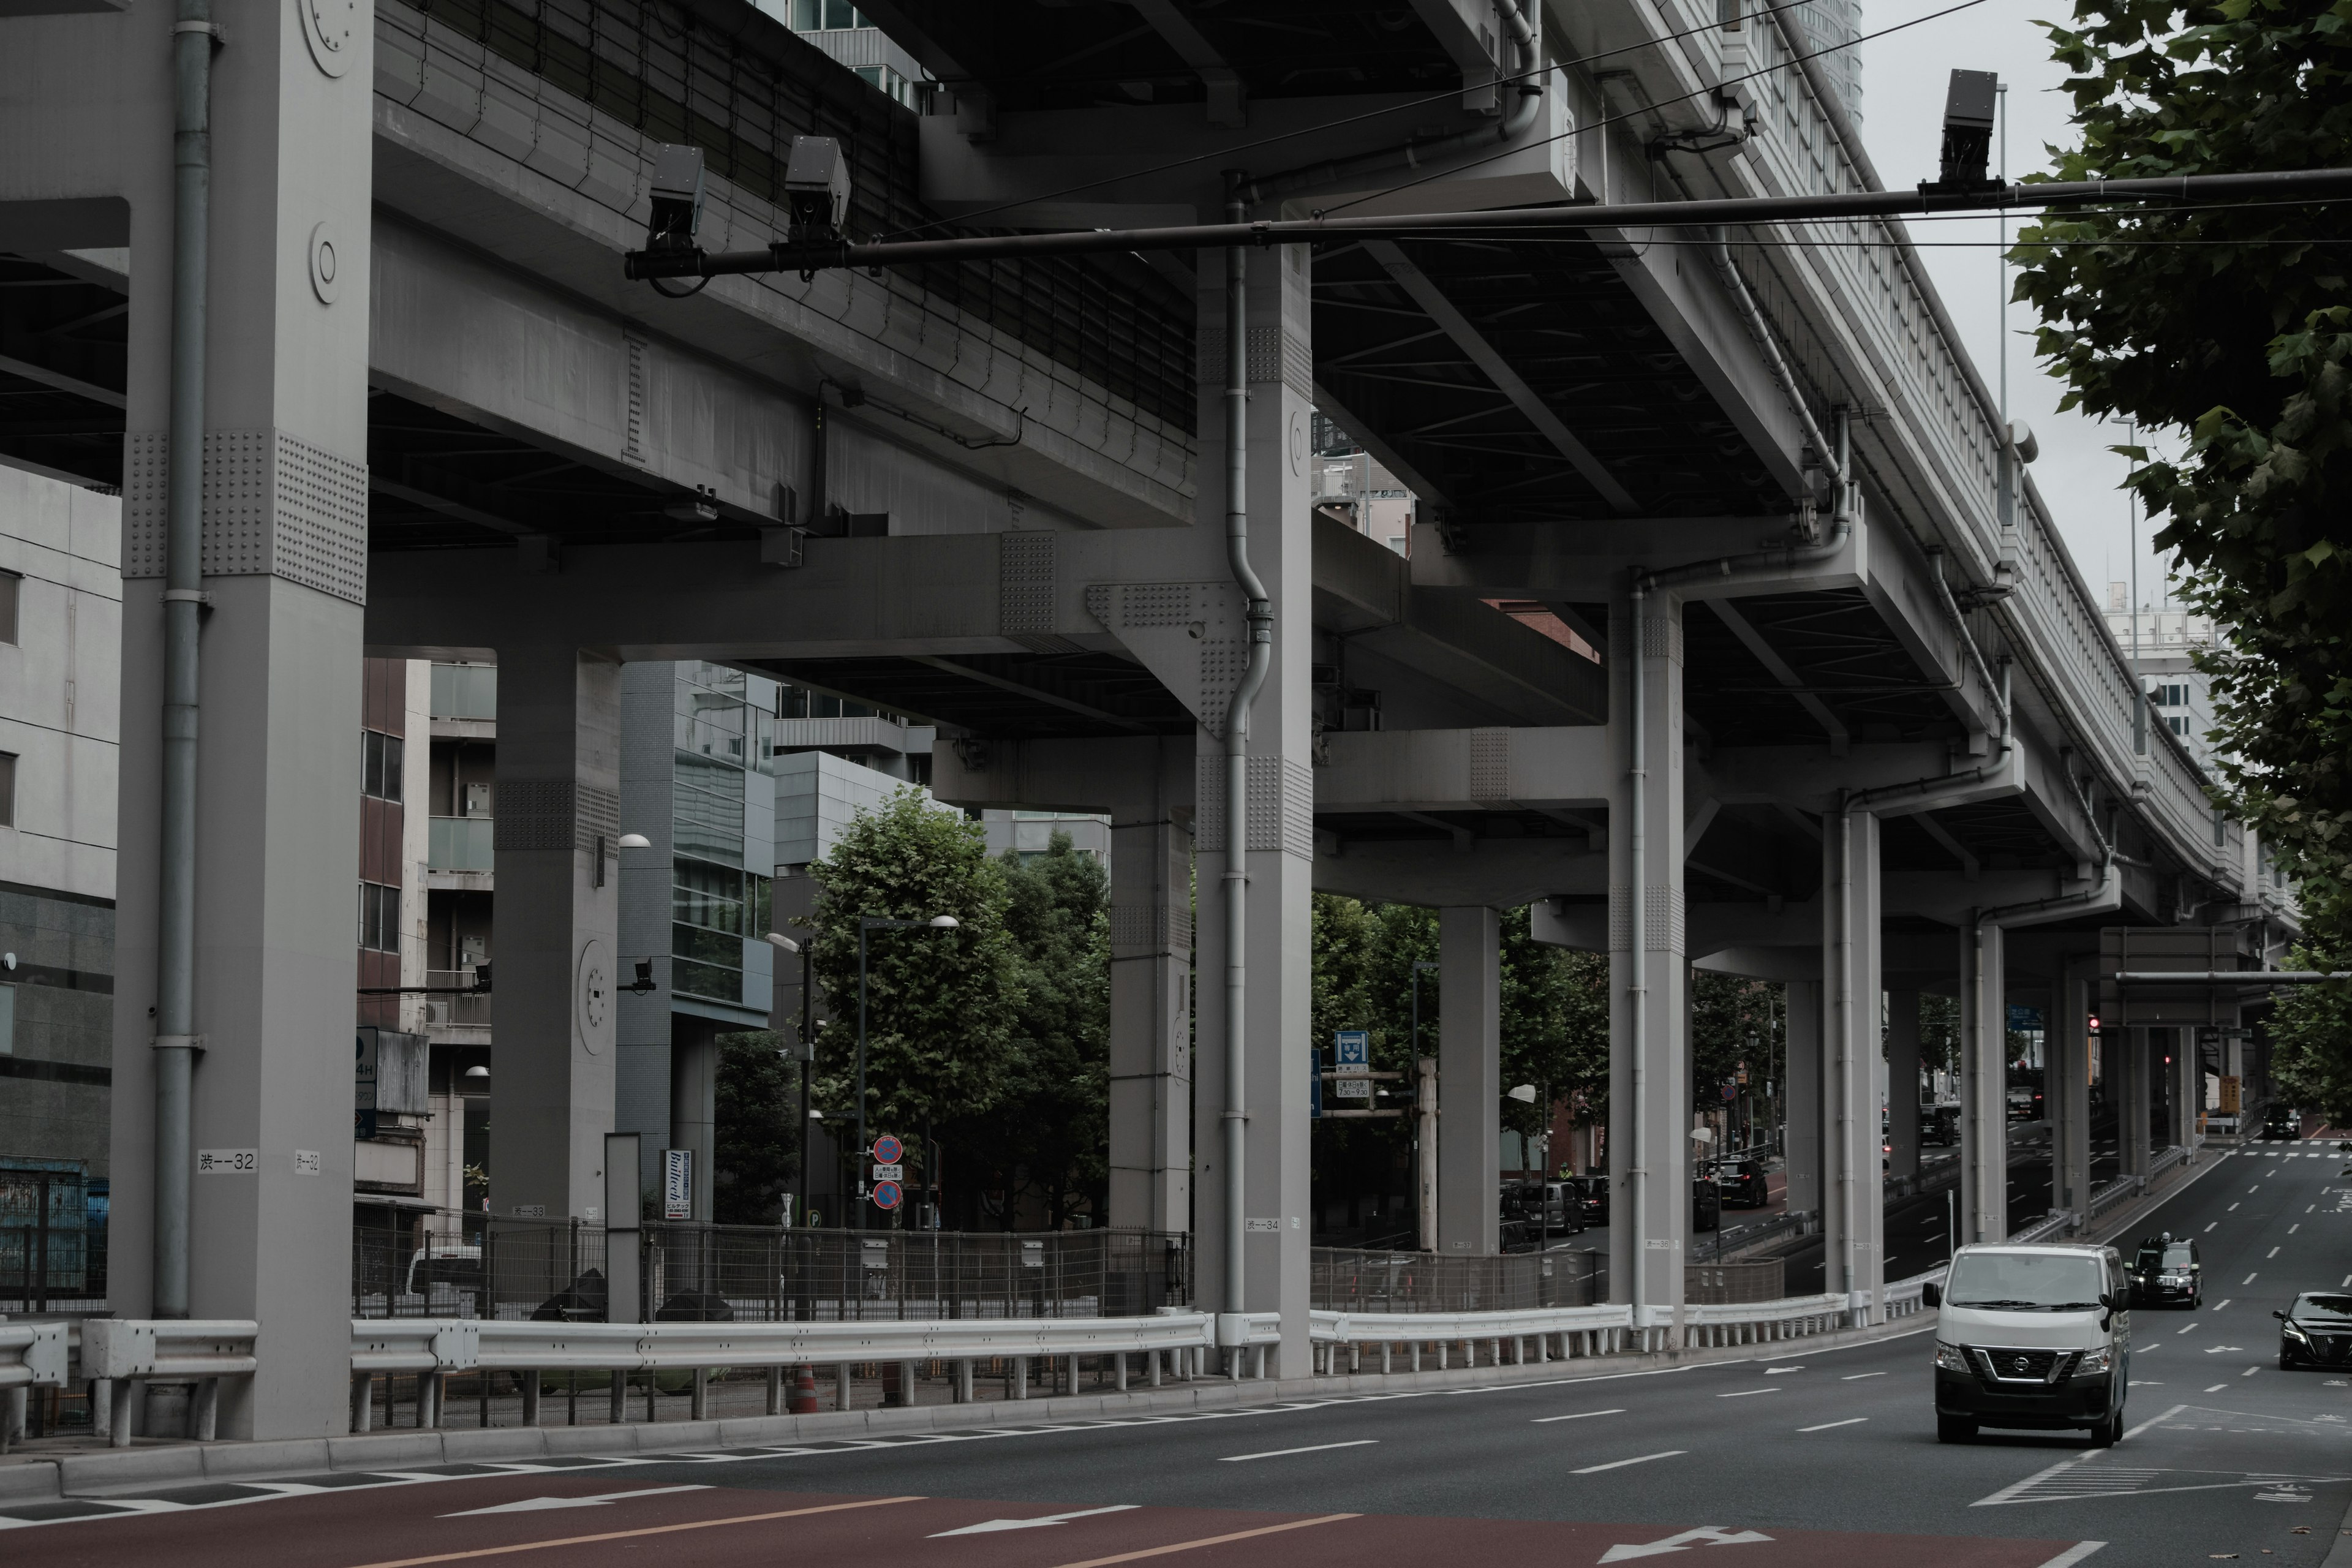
(465, 691)
(8, 789)
(712, 908)
(379, 918)
(820, 16)
(11, 584)
(2175, 722)
(380, 770)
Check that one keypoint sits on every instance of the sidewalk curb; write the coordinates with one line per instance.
(122, 1472)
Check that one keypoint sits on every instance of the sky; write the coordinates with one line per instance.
(1902, 81)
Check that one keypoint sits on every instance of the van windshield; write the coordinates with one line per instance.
(2026, 1282)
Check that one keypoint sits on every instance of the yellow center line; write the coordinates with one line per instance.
(649, 1530)
(1181, 1545)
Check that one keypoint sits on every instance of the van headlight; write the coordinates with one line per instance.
(2094, 1363)
(1950, 1358)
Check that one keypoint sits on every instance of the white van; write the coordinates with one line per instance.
(2037, 1337)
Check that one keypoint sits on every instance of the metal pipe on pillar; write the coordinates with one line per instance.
(1260, 614)
(193, 37)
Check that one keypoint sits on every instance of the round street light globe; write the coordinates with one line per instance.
(633, 841)
(778, 938)
(945, 922)
(477, 1072)
(1525, 1094)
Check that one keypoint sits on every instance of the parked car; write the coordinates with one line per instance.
(2316, 1331)
(2034, 1337)
(1542, 1206)
(2167, 1268)
(1742, 1184)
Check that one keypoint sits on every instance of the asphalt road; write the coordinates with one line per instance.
(1818, 1457)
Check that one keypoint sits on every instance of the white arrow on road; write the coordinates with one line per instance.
(1706, 1535)
(534, 1504)
(989, 1525)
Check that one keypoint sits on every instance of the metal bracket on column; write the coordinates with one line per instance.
(1192, 636)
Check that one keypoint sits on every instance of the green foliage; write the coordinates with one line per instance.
(1048, 1131)
(758, 1144)
(1733, 1021)
(2310, 1027)
(941, 1004)
(2232, 326)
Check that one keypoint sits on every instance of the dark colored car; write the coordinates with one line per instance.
(1939, 1125)
(1741, 1184)
(2316, 1331)
(1540, 1206)
(2166, 1269)
(1592, 1195)
(2284, 1124)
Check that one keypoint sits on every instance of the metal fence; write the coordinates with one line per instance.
(755, 1274)
(1725, 1284)
(456, 1265)
(52, 1256)
(1362, 1280)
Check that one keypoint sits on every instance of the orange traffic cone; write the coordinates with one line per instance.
(803, 1400)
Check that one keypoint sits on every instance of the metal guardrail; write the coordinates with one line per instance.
(2052, 1228)
(118, 1354)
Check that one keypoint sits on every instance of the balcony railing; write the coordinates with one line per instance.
(445, 1011)
(460, 844)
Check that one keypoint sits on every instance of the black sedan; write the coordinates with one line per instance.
(1742, 1184)
(2166, 1269)
(1591, 1195)
(2316, 1331)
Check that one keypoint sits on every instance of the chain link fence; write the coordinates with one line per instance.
(457, 1265)
(1362, 1280)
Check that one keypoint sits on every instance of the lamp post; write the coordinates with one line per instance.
(867, 923)
(1424, 1126)
(784, 943)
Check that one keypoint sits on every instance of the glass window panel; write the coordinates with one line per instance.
(691, 979)
(706, 946)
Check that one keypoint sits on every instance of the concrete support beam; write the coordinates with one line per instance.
(1903, 1083)
(1469, 1081)
(1852, 1211)
(2066, 1086)
(555, 930)
(1649, 1149)
(694, 1106)
(1802, 1094)
(641, 1069)
(1984, 1096)
(2187, 1087)
(2129, 1093)
(88, 109)
(1280, 844)
(1150, 1023)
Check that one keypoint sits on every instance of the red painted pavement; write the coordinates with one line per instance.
(725, 1527)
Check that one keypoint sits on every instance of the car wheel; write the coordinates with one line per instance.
(2286, 1362)
(1954, 1429)
(2110, 1432)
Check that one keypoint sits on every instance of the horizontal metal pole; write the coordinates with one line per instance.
(2255, 977)
(1747, 211)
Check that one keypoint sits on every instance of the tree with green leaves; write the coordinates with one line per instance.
(757, 1144)
(2231, 326)
(941, 1004)
(2311, 1026)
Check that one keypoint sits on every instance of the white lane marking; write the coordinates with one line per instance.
(2190, 1328)
(1777, 1371)
(1858, 1376)
(1710, 1534)
(1280, 1453)
(2295, 1226)
(602, 1499)
(2274, 1252)
(1620, 1464)
(2217, 1388)
(991, 1525)
(2218, 1349)
(2311, 1208)
(2256, 1188)
(2073, 1555)
(1579, 1416)
(2247, 1281)
(2152, 1421)
(2231, 1209)
(2250, 1371)
(2143, 1383)
(2214, 1226)
(1849, 1421)
(2223, 1302)
(1744, 1393)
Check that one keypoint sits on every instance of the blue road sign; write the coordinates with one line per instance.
(1354, 1048)
(1314, 1084)
(887, 1195)
(887, 1150)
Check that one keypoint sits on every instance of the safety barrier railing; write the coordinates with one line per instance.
(2052, 1228)
(119, 1354)
(1575, 1331)
(1171, 1343)
(2123, 1189)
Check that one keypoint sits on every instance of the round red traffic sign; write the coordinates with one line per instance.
(887, 1195)
(887, 1150)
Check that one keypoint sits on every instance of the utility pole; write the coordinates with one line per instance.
(1424, 1127)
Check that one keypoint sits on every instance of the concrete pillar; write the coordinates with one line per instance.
(1469, 1081)
(1280, 846)
(1852, 1213)
(1152, 1022)
(284, 562)
(2134, 1102)
(641, 1048)
(694, 1104)
(1802, 1095)
(1649, 1155)
(2066, 1086)
(1903, 1083)
(555, 931)
(1984, 1092)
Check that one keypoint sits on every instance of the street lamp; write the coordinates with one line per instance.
(872, 924)
(784, 943)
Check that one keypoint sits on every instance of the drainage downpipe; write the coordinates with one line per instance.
(1760, 331)
(1637, 950)
(175, 961)
(1969, 644)
(1260, 614)
(1413, 155)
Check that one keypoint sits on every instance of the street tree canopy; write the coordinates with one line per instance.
(2230, 326)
